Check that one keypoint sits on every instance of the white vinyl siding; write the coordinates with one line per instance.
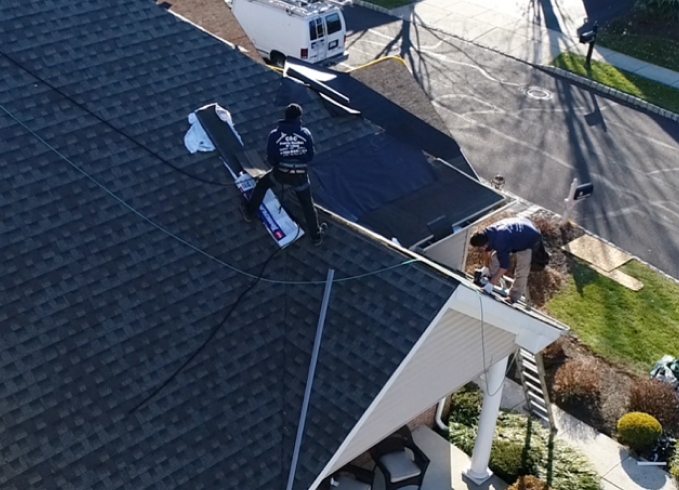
(449, 356)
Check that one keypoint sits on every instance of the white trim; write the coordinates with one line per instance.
(324, 473)
(531, 333)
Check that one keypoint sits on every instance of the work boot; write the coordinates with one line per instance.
(245, 212)
(318, 239)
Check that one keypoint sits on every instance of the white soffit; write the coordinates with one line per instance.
(531, 333)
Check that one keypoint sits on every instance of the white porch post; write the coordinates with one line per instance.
(478, 471)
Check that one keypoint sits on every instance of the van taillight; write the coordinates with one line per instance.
(304, 53)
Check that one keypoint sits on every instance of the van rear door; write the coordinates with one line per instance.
(335, 33)
(317, 47)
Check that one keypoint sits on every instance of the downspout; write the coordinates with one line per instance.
(310, 379)
(439, 414)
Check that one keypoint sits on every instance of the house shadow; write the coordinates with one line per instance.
(649, 477)
(359, 19)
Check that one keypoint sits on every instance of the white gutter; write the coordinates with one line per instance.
(532, 333)
(310, 378)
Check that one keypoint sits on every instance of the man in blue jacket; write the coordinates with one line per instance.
(517, 236)
(289, 150)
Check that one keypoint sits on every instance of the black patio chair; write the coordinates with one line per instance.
(349, 477)
(402, 463)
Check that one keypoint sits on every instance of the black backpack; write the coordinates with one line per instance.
(540, 258)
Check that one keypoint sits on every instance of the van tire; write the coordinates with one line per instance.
(277, 59)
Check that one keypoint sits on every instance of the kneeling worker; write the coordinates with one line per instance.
(517, 236)
(289, 149)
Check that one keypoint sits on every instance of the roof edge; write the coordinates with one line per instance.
(532, 332)
(329, 467)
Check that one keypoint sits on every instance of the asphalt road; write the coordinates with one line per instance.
(541, 131)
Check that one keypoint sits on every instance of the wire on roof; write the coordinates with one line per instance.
(181, 240)
(117, 130)
(211, 336)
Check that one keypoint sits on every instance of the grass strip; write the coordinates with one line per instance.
(651, 91)
(620, 36)
(630, 329)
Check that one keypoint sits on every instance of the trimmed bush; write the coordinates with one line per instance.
(510, 459)
(529, 482)
(577, 382)
(658, 399)
(465, 405)
(640, 431)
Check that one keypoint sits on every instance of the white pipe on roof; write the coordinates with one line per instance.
(310, 378)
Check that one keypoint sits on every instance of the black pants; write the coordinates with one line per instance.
(300, 183)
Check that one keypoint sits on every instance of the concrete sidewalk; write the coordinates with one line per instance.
(534, 31)
(618, 470)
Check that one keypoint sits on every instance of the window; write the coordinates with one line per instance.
(312, 30)
(319, 28)
(334, 23)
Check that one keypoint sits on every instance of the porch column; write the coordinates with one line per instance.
(478, 471)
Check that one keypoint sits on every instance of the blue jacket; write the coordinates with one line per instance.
(512, 235)
(290, 145)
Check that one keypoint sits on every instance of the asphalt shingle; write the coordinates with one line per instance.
(100, 306)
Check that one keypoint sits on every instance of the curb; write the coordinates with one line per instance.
(605, 89)
(616, 94)
(372, 6)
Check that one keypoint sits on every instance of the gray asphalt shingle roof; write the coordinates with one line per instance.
(99, 306)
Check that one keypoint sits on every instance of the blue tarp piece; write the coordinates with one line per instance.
(367, 174)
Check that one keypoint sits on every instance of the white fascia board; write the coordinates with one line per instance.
(531, 333)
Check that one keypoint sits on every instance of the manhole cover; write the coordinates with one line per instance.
(538, 93)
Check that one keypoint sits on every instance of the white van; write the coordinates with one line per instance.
(312, 31)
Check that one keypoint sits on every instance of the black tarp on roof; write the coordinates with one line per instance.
(391, 188)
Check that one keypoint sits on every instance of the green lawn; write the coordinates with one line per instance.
(648, 90)
(623, 36)
(631, 329)
(390, 4)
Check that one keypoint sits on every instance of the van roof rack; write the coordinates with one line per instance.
(305, 7)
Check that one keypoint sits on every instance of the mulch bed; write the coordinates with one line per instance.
(615, 388)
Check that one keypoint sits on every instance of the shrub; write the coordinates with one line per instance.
(465, 405)
(639, 430)
(529, 482)
(509, 459)
(554, 353)
(548, 225)
(658, 399)
(577, 382)
(544, 285)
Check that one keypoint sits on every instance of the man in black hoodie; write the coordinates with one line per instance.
(289, 150)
